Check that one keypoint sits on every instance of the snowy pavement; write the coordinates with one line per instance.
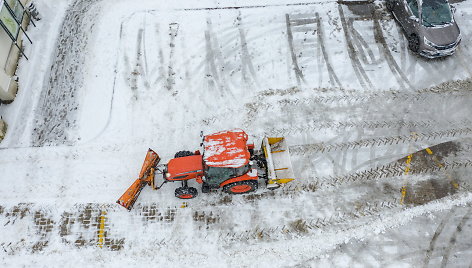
(363, 117)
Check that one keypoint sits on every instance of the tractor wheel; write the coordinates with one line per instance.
(186, 192)
(414, 43)
(182, 154)
(241, 187)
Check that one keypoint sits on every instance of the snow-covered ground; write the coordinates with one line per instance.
(106, 80)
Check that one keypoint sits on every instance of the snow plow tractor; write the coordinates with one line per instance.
(228, 161)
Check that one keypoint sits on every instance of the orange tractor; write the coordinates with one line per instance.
(228, 161)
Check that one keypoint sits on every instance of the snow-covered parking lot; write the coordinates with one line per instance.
(364, 118)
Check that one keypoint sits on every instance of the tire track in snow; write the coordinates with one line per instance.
(215, 68)
(382, 141)
(158, 70)
(112, 97)
(303, 227)
(391, 170)
(404, 52)
(144, 66)
(316, 125)
(261, 6)
(453, 238)
(320, 33)
(392, 64)
(438, 231)
(137, 65)
(317, 108)
(298, 73)
(362, 44)
(173, 31)
(252, 108)
(56, 112)
(356, 65)
(246, 61)
(309, 226)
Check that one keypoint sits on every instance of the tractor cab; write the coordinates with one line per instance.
(226, 159)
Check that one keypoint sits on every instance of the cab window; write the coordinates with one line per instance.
(219, 173)
(216, 175)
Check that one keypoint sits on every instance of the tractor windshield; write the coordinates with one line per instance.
(217, 175)
(435, 12)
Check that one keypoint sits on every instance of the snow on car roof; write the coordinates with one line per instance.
(226, 149)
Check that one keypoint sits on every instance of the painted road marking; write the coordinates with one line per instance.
(407, 170)
(101, 230)
(408, 163)
(429, 151)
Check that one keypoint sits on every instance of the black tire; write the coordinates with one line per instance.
(186, 192)
(414, 43)
(6, 101)
(182, 154)
(241, 187)
(205, 188)
(389, 5)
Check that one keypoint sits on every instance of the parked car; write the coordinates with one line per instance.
(429, 26)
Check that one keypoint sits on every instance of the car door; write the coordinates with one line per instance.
(406, 12)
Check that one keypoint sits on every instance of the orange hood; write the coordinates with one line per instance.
(185, 165)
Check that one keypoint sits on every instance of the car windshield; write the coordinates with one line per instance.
(435, 12)
(413, 7)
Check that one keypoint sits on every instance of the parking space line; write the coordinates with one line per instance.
(101, 231)
(407, 170)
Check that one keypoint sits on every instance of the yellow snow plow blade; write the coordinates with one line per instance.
(279, 165)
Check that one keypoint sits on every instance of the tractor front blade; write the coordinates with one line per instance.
(146, 176)
(151, 160)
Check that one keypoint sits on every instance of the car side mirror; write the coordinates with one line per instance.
(413, 18)
(453, 9)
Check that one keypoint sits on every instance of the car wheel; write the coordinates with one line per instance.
(241, 187)
(414, 43)
(182, 154)
(389, 5)
(186, 192)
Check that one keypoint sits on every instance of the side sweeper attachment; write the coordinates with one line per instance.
(146, 176)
